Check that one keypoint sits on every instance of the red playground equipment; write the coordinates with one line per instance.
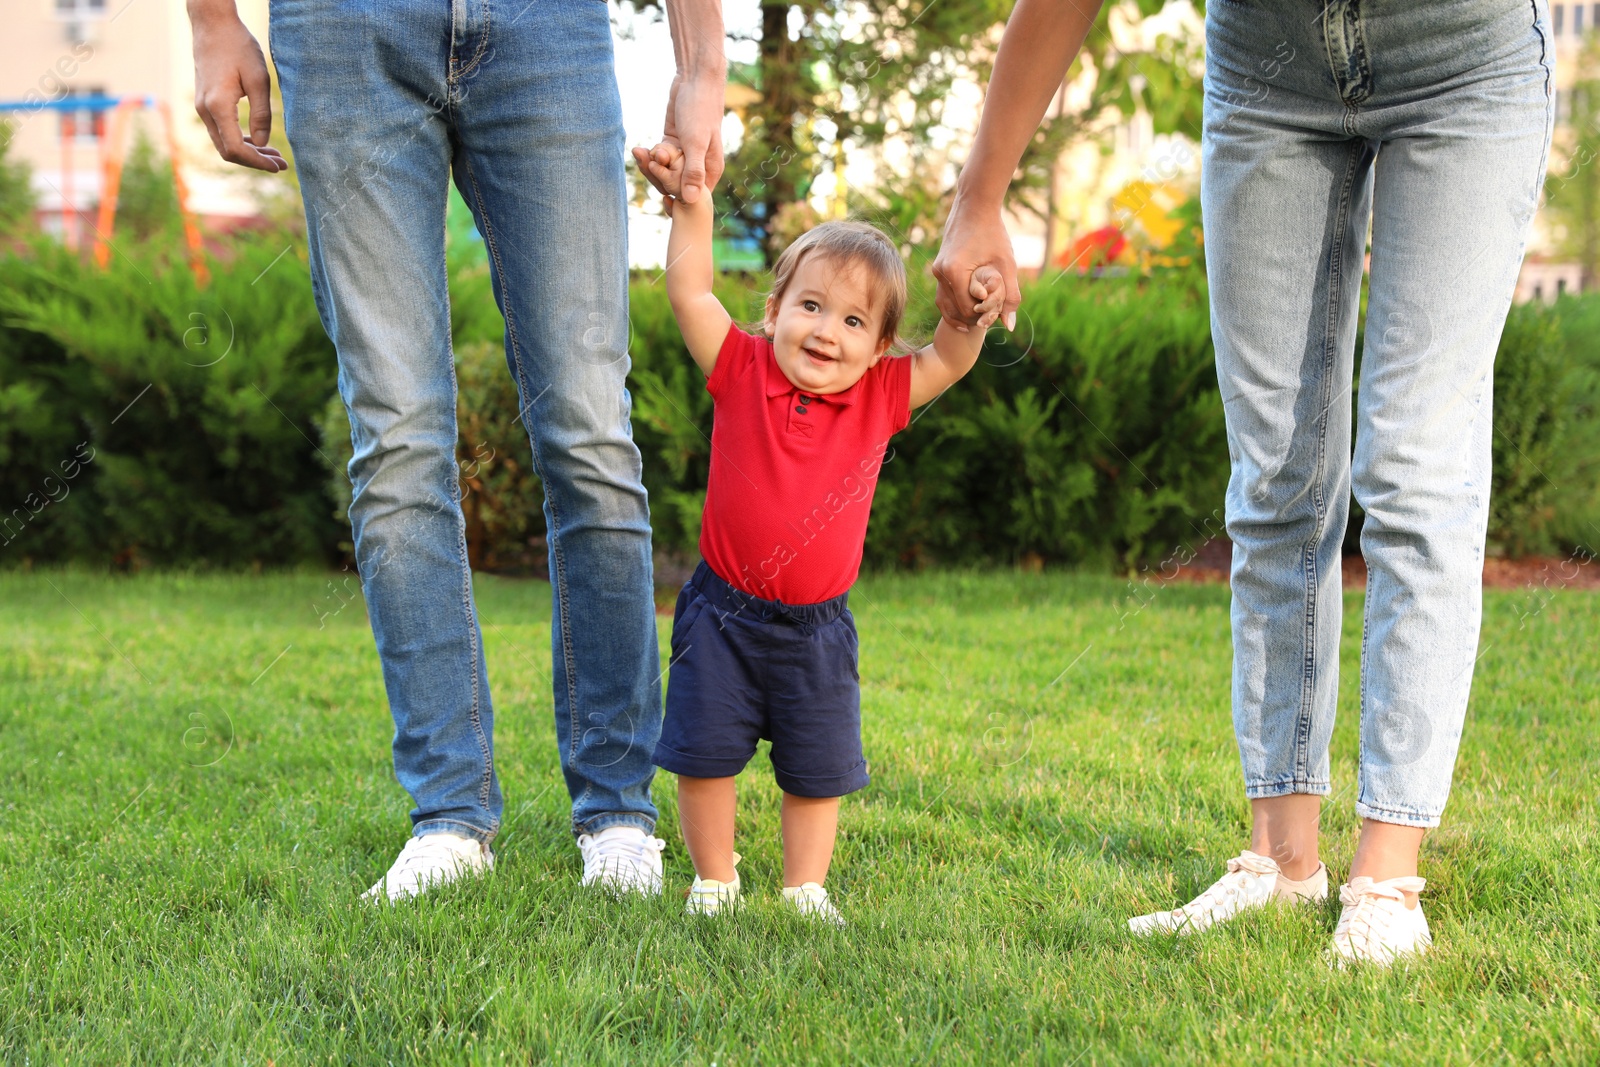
(113, 152)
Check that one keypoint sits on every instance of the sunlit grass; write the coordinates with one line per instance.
(198, 787)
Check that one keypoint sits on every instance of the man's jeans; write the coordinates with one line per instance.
(1430, 120)
(383, 102)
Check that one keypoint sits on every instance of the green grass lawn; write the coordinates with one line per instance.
(197, 787)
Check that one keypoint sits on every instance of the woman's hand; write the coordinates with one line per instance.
(975, 239)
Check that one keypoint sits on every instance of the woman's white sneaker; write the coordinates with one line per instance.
(428, 861)
(811, 900)
(710, 897)
(1251, 882)
(622, 858)
(1376, 926)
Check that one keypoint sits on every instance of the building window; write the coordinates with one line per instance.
(1559, 13)
(85, 124)
(1577, 18)
(1594, 17)
(80, 9)
(1561, 287)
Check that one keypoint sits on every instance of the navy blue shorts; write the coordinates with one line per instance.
(746, 669)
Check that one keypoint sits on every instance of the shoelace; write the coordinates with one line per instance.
(1241, 869)
(630, 850)
(420, 852)
(1367, 920)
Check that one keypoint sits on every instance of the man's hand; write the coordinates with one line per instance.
(976, 243)
(229, 66)
(693, 125)
(664, 166)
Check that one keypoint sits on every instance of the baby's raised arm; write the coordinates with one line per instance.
(701, 317)
(952, 354)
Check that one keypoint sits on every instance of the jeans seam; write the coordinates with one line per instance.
(557, 563)
(483, 44)
(1544, 47)
(476, 653)
(454, 72)
(1318, 502)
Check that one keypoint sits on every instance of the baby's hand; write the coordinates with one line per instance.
(988, 288)
(663, 165)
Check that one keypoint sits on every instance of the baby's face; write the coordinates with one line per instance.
(826, 331)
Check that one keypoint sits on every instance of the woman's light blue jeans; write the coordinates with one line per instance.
(1430, 121)
(384, 102)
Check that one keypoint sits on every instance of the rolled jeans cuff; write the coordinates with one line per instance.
(1400, 818)
(610, 819)
(453, 826)
(1287, 787)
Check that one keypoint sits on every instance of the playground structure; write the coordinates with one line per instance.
(113, 150)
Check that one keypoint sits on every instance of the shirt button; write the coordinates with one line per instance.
(801, 410)
(805, 400)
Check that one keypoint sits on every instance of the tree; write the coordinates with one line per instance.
(832, 74)
(17, 201)
(147, 199)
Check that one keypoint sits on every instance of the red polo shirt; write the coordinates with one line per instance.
(793, 473)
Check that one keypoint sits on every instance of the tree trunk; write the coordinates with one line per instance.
(781, 101)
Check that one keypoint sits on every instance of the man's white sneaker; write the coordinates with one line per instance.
(811, 900)
(623, 858)
(430, 860)
(1376, 926)
(1251, 882)
(710, 897)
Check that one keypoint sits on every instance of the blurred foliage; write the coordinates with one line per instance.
(867, 73)
(146, 420)
(195, 403)
(17, 201)
(147, 201)
(1092, 435)
(1574, 498)
(1572, 188)
(1534, 393)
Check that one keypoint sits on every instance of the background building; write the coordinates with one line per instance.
(54, 50)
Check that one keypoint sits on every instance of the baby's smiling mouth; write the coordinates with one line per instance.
(820, 357)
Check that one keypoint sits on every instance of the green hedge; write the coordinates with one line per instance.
(144, 419)
(195, 403)
(1095, 435)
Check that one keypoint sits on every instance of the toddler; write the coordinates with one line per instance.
(763, 645)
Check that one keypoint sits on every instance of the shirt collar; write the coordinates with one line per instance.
(778, 385)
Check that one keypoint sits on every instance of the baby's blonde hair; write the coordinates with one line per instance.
(850, 243)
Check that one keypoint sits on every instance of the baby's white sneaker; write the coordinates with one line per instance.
(427, 861)
(811, 900)
(1252, 881)
(710, 897)
(1376, 926)
(622, 858)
